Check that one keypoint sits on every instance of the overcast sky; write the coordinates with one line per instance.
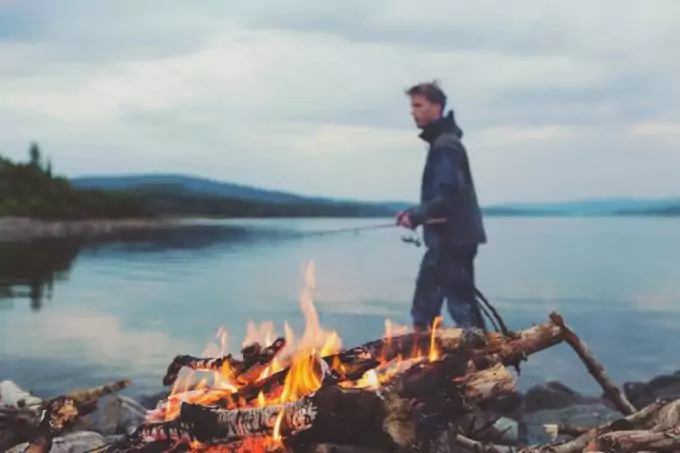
(557, 99)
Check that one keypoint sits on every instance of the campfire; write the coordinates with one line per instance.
(397, 393)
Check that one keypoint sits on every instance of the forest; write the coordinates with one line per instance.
(32, 189)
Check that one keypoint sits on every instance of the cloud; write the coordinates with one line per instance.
(299, 95)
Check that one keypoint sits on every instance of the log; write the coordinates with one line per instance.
(41, 420)
(487, 351)
(624, 441)
(640, 418)
(253, 356)
(60, 413)
(595, 368)
(389, 418)
(511, 351)
(85, 397)
(480, 447)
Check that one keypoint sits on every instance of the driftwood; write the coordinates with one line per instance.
(623, 441)
(43, 420)
(594, 367)
(60, 413)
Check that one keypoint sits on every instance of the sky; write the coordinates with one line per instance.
(557, 100)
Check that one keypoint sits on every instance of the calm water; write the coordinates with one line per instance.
(74, 314)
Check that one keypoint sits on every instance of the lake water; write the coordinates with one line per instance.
(76, 314)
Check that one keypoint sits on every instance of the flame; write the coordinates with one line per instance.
(434, 353)
(306, 358)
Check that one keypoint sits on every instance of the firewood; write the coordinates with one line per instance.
(510, 351)
(254, 356)
(60, 413)
(595, 368)
(388, 418)
(640, 418)
(480, 447)
(447, 340)
(39, 422)
(623, 441)
(86, 400)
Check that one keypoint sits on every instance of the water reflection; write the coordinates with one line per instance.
(29, 270)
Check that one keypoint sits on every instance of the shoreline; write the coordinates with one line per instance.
(23, 229)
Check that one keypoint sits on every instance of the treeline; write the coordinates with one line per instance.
(30, 189)
(175, 200)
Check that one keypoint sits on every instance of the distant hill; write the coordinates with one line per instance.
(196, 186)
(592, 207)
(206, 186)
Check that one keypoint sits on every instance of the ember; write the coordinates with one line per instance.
(397, 393)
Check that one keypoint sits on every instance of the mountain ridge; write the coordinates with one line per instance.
(215, 188)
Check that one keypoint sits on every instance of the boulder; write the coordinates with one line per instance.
(641, 394)
(117, 414)
(77, 442)
(13, 396)
(547, 407)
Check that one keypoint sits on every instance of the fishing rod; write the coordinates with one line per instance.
(413, 240)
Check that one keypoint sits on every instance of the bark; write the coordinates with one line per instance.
(595, 368)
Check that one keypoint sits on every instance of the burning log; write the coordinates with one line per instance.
(391, 417)
(254, 356)
(354, 362)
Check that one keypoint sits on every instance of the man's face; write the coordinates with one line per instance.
(424, 112)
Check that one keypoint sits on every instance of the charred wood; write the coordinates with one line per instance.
(248, 369)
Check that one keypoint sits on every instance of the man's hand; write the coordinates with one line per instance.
(404, 219)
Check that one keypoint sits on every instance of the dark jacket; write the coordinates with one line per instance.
(447, 190)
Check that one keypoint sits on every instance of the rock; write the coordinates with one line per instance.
(553, 404)
(151, 401)
(540, 427)
(641, 394)
(78, 442)
(13, 396)
(555, 395)
(505, 404)
(118, 414)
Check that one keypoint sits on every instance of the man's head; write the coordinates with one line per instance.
(427, 103)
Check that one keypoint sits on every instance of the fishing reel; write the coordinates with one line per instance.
(413, 239)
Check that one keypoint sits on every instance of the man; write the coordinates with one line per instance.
(450, 216)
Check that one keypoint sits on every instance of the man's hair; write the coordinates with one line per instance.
(431, 91)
